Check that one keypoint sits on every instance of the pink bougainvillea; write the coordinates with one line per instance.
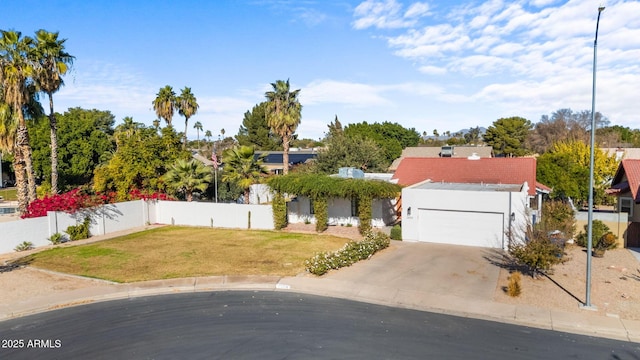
(77, 199)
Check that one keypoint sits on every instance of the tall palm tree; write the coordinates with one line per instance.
(187, 106)
(188, 176)
(165, 104)
(283, 115)
(208, 135)
(54, 63)
(243, 168)
(16, 71)
(198, 127)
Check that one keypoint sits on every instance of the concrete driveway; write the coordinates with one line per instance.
(413, 274)
(436, 269)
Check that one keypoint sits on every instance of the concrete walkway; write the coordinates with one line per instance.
(394, 277)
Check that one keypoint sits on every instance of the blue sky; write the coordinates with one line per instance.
(446, 65)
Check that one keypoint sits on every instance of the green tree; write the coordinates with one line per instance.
(283, 115)
(243, 167)
(507, 136)
(54, 63)
(349, 151)
(198, 127)
(566, 163)
(208, 135)
(255, 131)
(85, 138)
(140, 162)
(17, 68)
(188, 176)
(390, 137)
(128, 129)
(165, 104)
(187, 105)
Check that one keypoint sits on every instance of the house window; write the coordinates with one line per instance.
(626, 205)
(354, 207)
(311, 209)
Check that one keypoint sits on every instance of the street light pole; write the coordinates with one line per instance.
(587, 302)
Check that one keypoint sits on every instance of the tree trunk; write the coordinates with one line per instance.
(186, 122)
(53, 125)
(247, 192)
(285, 154)
(21, 180)
(189, 195)
(25, 149)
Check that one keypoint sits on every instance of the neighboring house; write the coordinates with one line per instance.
(623, 153)
(626, 186)
(442, 151)
(473, 200)
(344, 212)
(274, 163)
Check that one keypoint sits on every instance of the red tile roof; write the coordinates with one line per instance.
(461, 170)
(630, 168)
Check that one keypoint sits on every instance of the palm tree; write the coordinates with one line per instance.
(208, 135)
(16, 70)
(126, 130)
(243, 168)
(156, 124)
(54, 62)
(283, 115)
(165, 104)
(187, 107)
(188, 176)
(198, 127)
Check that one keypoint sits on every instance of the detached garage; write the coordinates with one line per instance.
(464, 214)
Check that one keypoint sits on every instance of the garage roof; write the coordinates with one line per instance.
(468, 171)
(468, 187)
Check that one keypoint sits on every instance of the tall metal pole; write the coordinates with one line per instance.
(587, 302)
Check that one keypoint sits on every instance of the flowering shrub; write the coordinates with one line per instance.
(137, 194)
(69, 202)
(349, 254)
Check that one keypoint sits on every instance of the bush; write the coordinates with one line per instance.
(80, 231)
(598, 230)
(24, 246)
(538, 254)
(558, 215)
(396, 232)
(350, 253)
(279, 206)
(607, 241)
(57, 238)
(514, 288)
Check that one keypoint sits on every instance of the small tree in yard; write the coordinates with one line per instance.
(537, 254)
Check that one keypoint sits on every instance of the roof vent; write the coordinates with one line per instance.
(446, 151)
(474, 156)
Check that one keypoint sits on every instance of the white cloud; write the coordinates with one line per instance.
(387, 14)
(338, 92)
(433, 70)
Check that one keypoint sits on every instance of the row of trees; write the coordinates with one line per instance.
(28, 67)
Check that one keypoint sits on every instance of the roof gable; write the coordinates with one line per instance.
(629, 170)
(461, 170)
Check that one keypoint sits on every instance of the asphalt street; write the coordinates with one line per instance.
(278, 325)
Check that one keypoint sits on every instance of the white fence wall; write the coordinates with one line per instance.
(127, 215)
(215, 215)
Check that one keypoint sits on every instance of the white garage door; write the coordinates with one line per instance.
(461, 227)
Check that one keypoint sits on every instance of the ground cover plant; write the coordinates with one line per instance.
(175, 252)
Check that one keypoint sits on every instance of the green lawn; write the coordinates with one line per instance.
(9, 194)
(174, 252)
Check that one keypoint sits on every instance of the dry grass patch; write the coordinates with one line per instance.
(174, 252)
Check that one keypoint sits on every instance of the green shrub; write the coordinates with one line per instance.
(56, 238)
(24, 246)
(396, 232)
(557, 215)
(365, 204)
(279, 206)
(321, 209)
(607, 241)
(80, 231)
(538, 254)
(598, 230)
(350, 253)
